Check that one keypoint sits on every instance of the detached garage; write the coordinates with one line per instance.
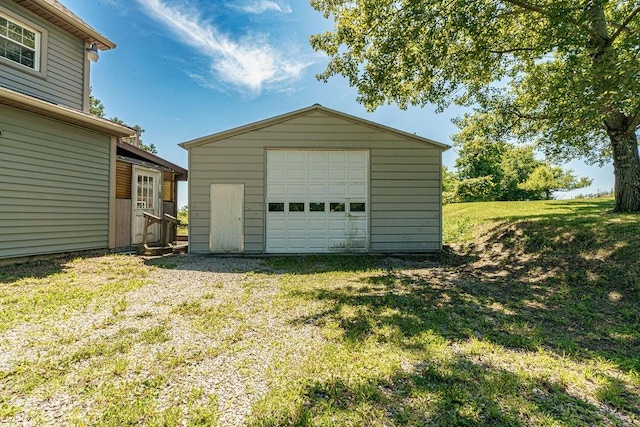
(314, 181)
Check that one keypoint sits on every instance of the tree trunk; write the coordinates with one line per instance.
(620, 128)
(626, 168)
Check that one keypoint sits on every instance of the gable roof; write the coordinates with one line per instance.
(304, 111)
(64, 114)
(56, 13)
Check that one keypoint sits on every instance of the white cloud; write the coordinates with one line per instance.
(247, 63)
(262, 6)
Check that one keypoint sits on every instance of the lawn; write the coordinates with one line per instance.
(530, 317)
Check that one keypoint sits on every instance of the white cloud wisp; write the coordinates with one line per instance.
(248, 63)
(261, 6)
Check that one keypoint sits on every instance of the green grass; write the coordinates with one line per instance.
(53, 289)
(465, 221)
(530, 318)
(183, 226)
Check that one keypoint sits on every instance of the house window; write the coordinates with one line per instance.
(19, 43)
(145, 191)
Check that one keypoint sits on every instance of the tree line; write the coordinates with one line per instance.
(489, 171)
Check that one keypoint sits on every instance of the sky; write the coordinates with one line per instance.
(183, 69)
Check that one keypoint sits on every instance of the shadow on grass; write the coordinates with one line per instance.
(564, 284)
(458, 392)
(33, 270)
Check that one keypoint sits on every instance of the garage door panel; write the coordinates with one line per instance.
(338, 175)
(357, 224)
(338, 190)
(358, 156)
(338, 224)
(277, 224)
(357, 191)
(319, 174)
(297, 244)
(317, 244)
(317, 190)
(276, 244)
(338, 157)
(317, 224)
(317, 157)
(274, 174)
(318, 180)
(296, 175)
(294, 190)
(357, 175)
(276, 190)
(297, 225)
(296, 156)
(278, 157)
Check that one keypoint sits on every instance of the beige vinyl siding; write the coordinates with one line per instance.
(62, 81)
(54, 181)
(404, 201)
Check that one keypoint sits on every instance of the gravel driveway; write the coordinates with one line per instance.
(203, 326)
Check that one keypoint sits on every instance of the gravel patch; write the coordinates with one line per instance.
(197, 361)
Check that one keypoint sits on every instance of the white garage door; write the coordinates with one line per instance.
(317, 201)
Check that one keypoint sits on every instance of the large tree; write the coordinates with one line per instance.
(559, 73)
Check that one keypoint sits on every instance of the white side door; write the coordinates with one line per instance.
(226, 233)
(146, 197)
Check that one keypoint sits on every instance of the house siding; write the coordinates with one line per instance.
(404, 181)
(55, 186)
(63, 80)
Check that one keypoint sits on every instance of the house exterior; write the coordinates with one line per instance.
(144, 183)
(314, 181)
(57, 162)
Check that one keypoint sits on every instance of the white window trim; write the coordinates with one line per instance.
(41, 44)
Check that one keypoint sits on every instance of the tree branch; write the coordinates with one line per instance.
(527, 6)
(624, 26)
(519, 114)
(515, 49)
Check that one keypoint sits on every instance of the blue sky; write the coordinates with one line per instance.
(183, 69)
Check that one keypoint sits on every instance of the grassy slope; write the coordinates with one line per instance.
(531, 318)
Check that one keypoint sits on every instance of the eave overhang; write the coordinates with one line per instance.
(54, 12)
(61, 113)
